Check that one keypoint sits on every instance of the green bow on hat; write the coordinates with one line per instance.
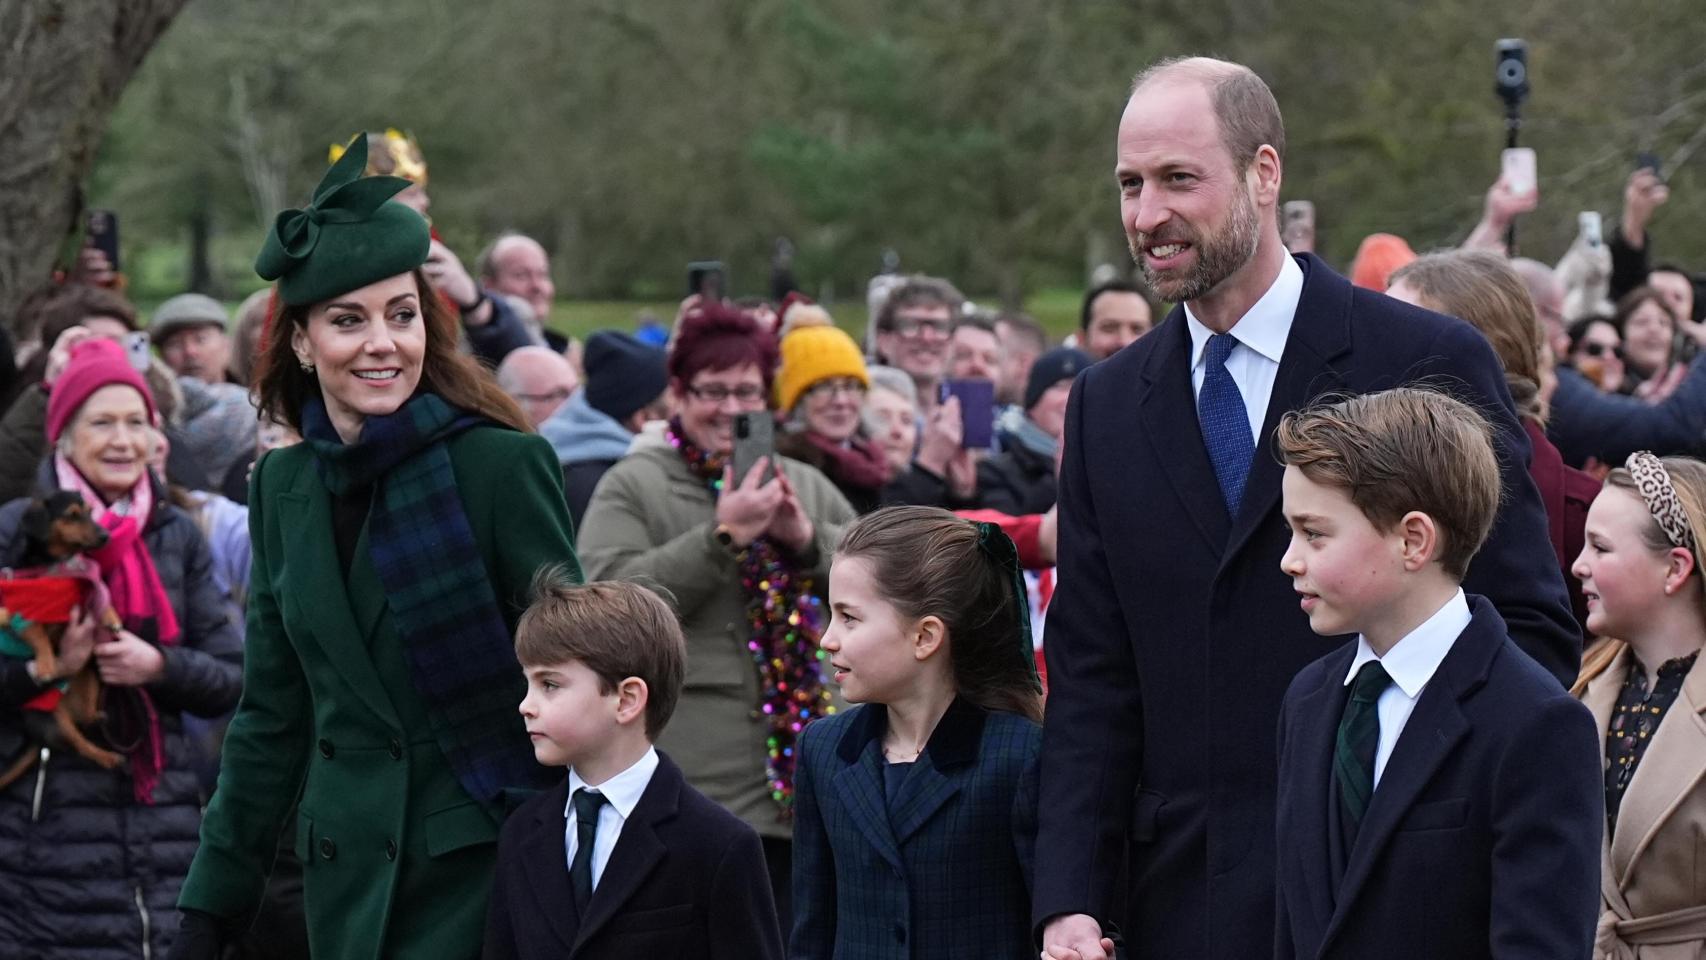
(349, 236)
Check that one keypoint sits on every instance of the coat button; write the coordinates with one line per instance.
(396, 749)
(328, 849)
(326, 749)
(391, 850)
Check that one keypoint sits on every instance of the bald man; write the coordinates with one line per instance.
(1174, 634)
(539, 379)
(515, 264)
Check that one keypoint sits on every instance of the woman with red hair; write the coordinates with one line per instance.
(746, 560)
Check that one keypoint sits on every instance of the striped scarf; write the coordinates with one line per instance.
(460, 653)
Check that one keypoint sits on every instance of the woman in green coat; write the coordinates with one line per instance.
(746, 560)
(393, 552)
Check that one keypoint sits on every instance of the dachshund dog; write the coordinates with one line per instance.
(56, 529)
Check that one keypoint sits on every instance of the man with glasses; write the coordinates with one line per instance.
(539, 379)
(913, 330)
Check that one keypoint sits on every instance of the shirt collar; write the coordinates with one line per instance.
(1268, 323)
(1413, 660)
(623, 790)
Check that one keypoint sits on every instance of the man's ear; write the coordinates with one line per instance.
(632, 696)
(1421, 540)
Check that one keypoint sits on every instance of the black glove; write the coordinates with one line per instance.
(201, 936)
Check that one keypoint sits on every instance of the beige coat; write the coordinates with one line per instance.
(652, 521)
(1653, 878)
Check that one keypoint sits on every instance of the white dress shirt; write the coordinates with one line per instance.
(1411, 664)
(623, 792)
(1261, 334)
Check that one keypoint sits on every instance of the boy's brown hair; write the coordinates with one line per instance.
(1401, 450)
(618, 629)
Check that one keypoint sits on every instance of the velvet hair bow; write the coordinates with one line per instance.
(999, 547)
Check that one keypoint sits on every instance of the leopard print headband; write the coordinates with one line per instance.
(1653, 481)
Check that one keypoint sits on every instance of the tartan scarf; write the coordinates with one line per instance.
(460, 653)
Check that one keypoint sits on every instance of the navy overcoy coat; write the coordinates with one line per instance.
(1174, 634)
(1483, 836)
(686, 879)
(943, 871)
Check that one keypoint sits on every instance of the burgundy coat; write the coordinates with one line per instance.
(1566, 493)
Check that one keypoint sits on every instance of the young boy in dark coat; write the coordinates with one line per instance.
(623, 859)
(1439, 791)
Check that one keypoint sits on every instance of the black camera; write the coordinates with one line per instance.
(1510, 71)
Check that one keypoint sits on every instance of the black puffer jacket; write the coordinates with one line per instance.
(97, 873)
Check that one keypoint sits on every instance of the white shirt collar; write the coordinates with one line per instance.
(623, 790)
(1413, 660)
(1268, 323)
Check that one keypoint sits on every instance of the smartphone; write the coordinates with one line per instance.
(101, 232)
(1518, 169)
(755, 437)
(977, 411)
(1591, 227)
(1648, 160)
(708, 279)
(136, 350)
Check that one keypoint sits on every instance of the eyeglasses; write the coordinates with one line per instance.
(913, 326)
(555, 396)
(845, 387)
(1602, 350)
(717, 393)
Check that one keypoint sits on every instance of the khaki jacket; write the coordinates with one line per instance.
(652, 521)
(1653, 879)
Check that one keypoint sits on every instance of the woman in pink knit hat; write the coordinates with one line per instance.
(121, 838)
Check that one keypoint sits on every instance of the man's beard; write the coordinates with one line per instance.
(1219, 255)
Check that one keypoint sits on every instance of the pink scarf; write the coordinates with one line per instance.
(137, 596)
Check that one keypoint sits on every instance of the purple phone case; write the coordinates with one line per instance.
(977, 411)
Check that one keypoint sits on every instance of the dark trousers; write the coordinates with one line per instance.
(779, 860)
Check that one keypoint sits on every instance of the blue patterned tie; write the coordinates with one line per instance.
(1225, 424)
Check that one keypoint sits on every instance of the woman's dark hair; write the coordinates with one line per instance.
(928, 562)
(1578, 329)
(718, 336)
(281, 386)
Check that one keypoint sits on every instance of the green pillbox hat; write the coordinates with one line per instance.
(351, 235)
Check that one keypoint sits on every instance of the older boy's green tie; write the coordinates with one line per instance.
(587, 805)
(1355, 747)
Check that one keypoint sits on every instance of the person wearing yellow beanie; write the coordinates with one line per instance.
(820, 392)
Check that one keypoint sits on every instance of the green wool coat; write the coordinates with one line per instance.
(653, 521)
(397, 858)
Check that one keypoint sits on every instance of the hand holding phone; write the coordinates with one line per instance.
(1297, 229)
(1591, 228)
(755, 439)
(137, 350)
(977, 411)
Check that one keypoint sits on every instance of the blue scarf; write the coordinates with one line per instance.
(460, 652)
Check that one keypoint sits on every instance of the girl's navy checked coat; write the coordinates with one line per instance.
(942, 872)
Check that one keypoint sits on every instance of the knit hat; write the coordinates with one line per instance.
(94, 364)
(1378, 257)
(814, 353)
(186, 310)
(623, 373)
(1061, 363)
(351, 235)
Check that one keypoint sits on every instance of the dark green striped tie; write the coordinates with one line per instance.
(1359, 738)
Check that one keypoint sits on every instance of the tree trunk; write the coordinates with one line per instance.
(65, 64)
(201, 254)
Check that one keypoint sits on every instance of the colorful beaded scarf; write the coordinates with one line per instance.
(785, 617)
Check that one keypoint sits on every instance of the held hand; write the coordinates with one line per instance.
(747, 510)
(942, 437)
(60, 353)
(77, 644)
(93, 268)
(1642, 195)
(1075, 936)
(962, 474)
(447, 274)
(129, 661)
(790, 527)
(1503, 205)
